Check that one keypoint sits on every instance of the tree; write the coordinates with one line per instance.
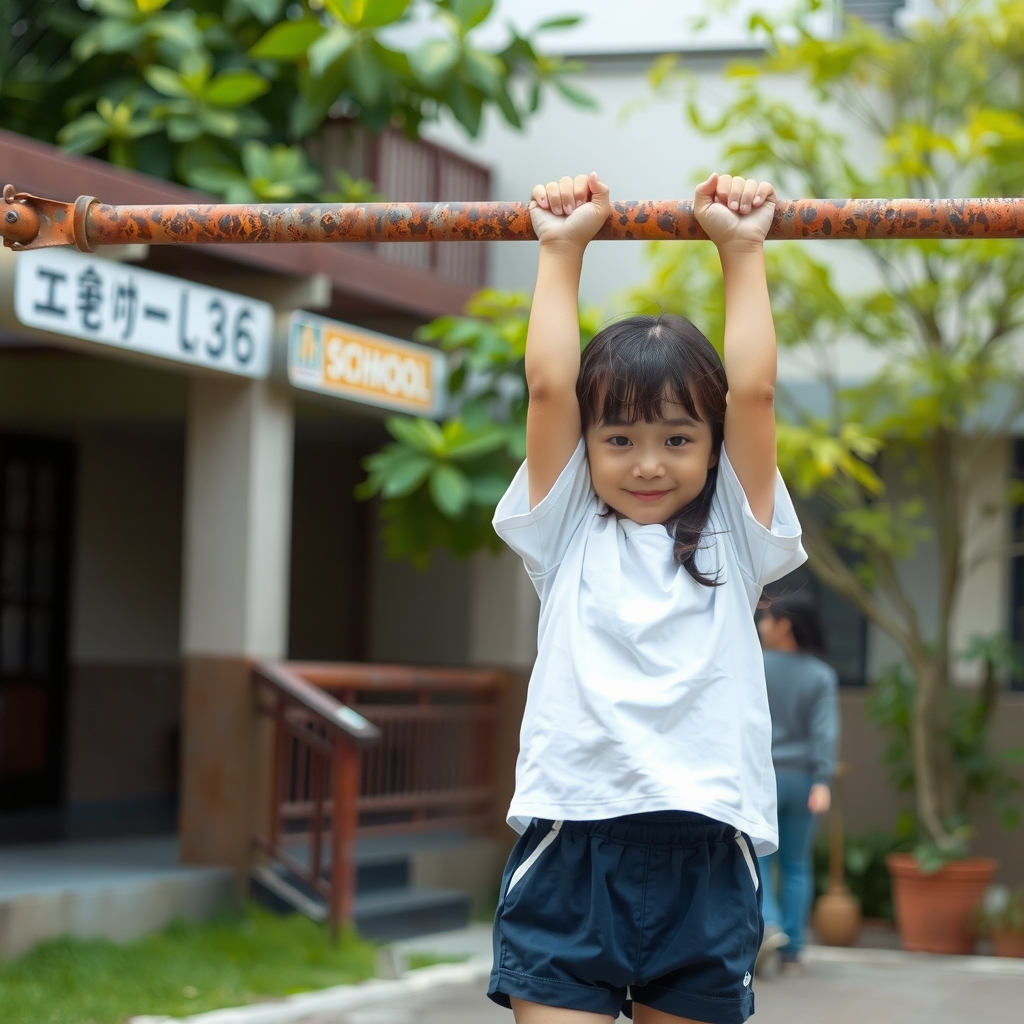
(217, 93)
(440, 484)
(936, 111)
(886, 463)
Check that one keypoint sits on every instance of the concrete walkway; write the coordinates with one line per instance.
(838, 987)
(119, 889)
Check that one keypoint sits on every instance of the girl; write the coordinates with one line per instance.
(650, 514)
(805, 728)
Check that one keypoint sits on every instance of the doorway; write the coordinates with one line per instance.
(36, 488)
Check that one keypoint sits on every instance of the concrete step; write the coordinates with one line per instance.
(392, 913)
(404, 913)
(114, 889)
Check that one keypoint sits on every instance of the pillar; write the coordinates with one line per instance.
(503, 634)
(237, 532)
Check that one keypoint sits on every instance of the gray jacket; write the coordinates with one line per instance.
(802, 696)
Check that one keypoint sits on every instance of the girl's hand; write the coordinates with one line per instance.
(570, 211)
(734, 210)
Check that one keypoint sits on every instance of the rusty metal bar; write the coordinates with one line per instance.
(29, 222)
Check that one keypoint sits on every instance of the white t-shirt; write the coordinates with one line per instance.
(648, 691)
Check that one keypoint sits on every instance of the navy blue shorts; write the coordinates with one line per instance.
(661, 909)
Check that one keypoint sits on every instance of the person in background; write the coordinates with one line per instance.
(802, 691)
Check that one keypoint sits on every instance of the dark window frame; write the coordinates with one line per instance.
(44, 789)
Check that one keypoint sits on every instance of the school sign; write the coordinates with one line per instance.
(338, 359)
(121, 306)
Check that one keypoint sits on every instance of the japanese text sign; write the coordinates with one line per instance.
(349, 362)
(117, 304)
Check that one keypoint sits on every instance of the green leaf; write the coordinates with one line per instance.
(470, 13)
(166, 82)
(367, 73)
(490, 439)
(266, 11)
(484, 70)
(224, 124)
(108, 37)
(466, 104)
(566, 21)
(84, 134)
(149, 6)
(184, 129)
(236, 88)
(576, 96)
(231, 184)
(288, 40)
(306, 114)
(352, 190)
(328, 48)
(450, 489)
(368, 13)
(424, 435)
(404, 476)
(434, 59)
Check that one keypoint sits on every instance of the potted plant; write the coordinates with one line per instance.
(937, 887)
(1001, 917)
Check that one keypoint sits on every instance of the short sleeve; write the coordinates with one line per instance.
(764, 555)
(541, 535)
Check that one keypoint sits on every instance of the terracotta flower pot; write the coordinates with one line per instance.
(836, 917)
(1007, 943)
(934, 913)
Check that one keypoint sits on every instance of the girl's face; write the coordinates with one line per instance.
(647, 472)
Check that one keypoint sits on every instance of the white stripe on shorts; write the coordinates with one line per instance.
(532, 859)
(742, 842)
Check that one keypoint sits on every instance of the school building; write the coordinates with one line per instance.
(192, 596)
(176, 504)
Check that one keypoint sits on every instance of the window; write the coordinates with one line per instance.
(35, 517)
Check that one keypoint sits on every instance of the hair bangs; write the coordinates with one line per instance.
(633, 367)
(635, 383)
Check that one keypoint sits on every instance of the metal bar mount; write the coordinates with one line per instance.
(29, 222)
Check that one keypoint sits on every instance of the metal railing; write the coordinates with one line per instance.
(32, 222)
(366, 750)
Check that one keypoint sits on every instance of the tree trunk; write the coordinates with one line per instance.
(932, 776)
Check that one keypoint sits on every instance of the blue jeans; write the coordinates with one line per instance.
(790, 908)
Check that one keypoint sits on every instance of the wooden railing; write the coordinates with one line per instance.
(362, 749)
(406, 170)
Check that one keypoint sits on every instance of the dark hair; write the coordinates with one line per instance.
(628, 371)
(800, 609)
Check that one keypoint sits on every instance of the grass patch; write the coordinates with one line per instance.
(414, 961)
(184, 969)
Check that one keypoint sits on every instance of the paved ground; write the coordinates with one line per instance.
(839, 987)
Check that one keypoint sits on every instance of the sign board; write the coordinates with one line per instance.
(81, 296)
(363, 366)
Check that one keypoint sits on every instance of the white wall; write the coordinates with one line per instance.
(127, 545)
(647, 26)
(127, 424)
(644, 146)
(418, 616)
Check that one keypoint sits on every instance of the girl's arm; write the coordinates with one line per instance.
(566, 215)
(737, 213)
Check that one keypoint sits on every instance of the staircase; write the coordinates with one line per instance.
(386, 905)
(372, 765)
